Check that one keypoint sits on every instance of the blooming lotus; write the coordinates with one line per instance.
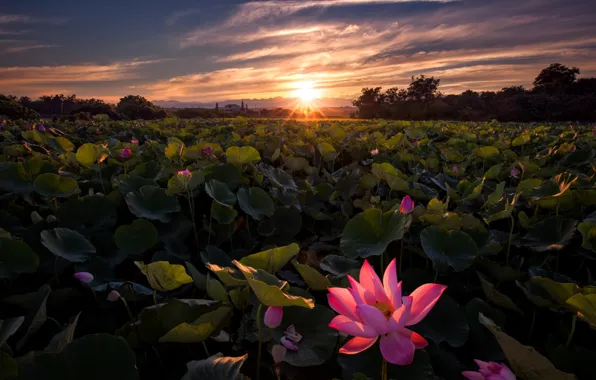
(514, 172)
(273, 316)
(84, 277)
(407, 205)
(134, 141)
(370, 310)
(125, 153)
(374, 152)
(455, 168)
(489, 371)
(185, 173)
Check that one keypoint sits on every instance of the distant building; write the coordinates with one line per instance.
(231, 108)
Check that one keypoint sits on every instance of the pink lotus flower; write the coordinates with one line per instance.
(41, 128)
(134, 141)
(514, 172)
(455, 168)
(84, 277)
(185, 173)
(113, 296)
(489, 371)
(273, 316)
(125, 154)
(407, 205)
(206, 152)
(374, 152)
(370, 309)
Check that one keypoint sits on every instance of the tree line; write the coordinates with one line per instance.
(557, 95)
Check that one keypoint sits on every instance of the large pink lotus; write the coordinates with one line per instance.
(370, 309)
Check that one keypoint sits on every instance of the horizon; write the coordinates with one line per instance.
(261, 51)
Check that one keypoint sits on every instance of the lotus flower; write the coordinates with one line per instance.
(185, 173)
(41, 128)
(113, 296)
(134, 141)
(84, 277)
(407, 205)
(273, 316)
(489, 371)
(206, 152)
(455, 168)
(374, 152)
(514, 172)
(370, 309)
(125, 154)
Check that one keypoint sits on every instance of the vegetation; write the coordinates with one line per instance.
(557, 95)
(141, 249)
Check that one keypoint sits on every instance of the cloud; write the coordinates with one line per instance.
(174, 17)
(25, 19)
(21, 49)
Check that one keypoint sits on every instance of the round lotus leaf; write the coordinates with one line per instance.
(54, 186)
(485, 152)
(447, 248)
(256, 202)
(17, 256)
(216, 367)
(370, 232)
(152, 202)
(137, 237)
(242, 155)
(222, 213)
(92, 357)
(219, 192)
(68, 244)
(90, 154)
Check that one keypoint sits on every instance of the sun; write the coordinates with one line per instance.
(306, 92)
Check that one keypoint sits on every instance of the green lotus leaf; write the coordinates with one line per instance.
(63, 338)
(175, 149)
(485, 152)
(90, 154)
(242, 155)
(496, 297)
(552, 233)
(446, 322)
(95, 213)
(558, 292)
(137, 237)
(327, 151)
(521, 140)
(163, 276)
(54, 186)
(219, 192)
(585, 307)
(447, 248)
(256, 202)
(229, 276)
(132, 183)
(493, 172)
(180, 184)
(216, 291)
(152, 202)
(68, 244)
(202, 328)
(92, 357)
(313, 278)
(271, 260)
(588, 231)
(370, 232)
(222, 213)
(216, 367)
(60, 144)
(17, 257)
(296, 163)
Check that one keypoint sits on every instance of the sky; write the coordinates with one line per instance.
(217, 50)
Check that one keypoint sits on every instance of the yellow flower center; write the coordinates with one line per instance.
(384, 308)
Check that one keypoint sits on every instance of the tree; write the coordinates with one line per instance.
(242, 106)
(11, 108)
(137, 107)
(217, 107)
(370, 103)
(556, 78)
(423, 89)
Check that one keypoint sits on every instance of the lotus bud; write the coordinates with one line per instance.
(134, 141)
(278, 352)
(125, 154)
(288, 344)
(41, 128)
(273, 316)
(407, 205)
(374, 152)
(113, 296)
(514, 172)
(84, 277)
(489, 371)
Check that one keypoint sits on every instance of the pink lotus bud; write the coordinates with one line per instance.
(288, 344)
(374, 152)
(514, 172)
(208, 151)
(407, 205)
(455, 168)
(134, 141)
(113, 296)
(125, 154)
(41, 128)
(489, 371)
(273, 316)
(84, 277)
(278, 352)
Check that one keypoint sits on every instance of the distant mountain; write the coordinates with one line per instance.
(255, 103)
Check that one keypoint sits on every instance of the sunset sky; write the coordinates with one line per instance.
(218, 50)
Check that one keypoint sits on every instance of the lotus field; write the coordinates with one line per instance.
(278, 249)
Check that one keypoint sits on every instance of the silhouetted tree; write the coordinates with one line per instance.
(555, 78)
(423, 89)
(137, 107)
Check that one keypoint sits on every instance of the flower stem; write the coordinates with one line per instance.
(384, 375)
(260, 341)
(570, 337)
